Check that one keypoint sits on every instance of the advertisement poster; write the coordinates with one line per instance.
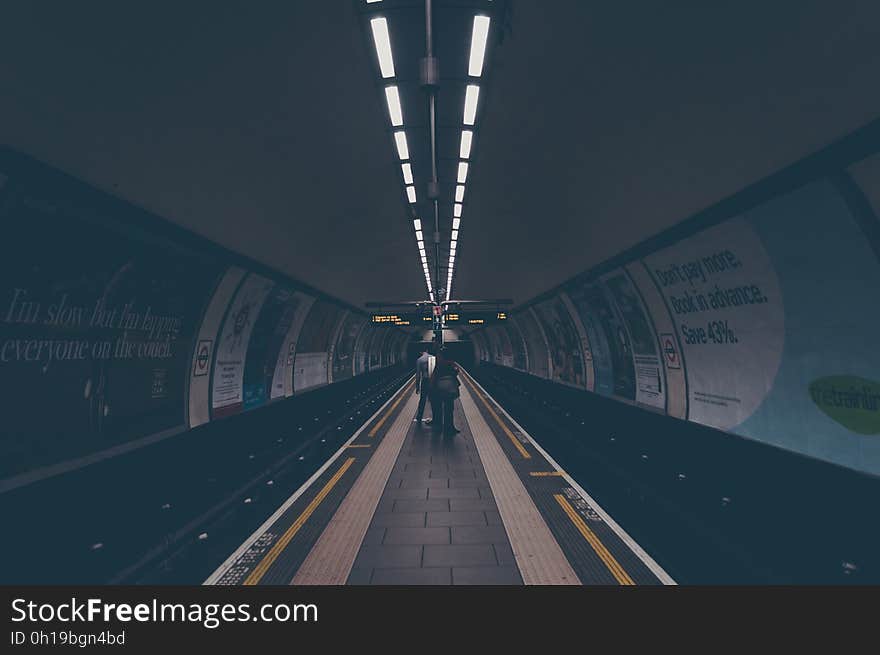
(361, 356)
(478, 337)
(227, 394)
(650, 384)
(343, 354)
(374, 346)
(506, 346)
(824, 399)
(612, 352)
(310, 365)
(494, 342)
(725, 301)
(101, 333)
(565, 349)
(267, 337)
(539, 358)
(517, 345)
(385, 347)
(282, 379)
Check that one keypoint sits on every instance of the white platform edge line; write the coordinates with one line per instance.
(647, 560)
(232, 559)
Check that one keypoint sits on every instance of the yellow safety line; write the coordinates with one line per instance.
(281, 544)
(612, 564)
(359, 445)
(513, 439)
(390, 409)
(544, 474)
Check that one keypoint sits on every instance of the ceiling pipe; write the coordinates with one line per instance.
(430, 70)
(430, 81)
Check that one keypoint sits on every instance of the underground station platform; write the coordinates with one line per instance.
(400, 504)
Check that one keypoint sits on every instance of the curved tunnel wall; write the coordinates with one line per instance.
(117, 329)
(765, 324)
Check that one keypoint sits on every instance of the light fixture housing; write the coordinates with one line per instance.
(392, 99)
(471, 97)
(479, 37)
(382, 41)
(400, 142)
(464, 148)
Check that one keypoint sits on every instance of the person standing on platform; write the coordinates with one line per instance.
(424, 368)
(444, 386)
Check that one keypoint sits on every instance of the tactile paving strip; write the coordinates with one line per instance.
(332, 557)
(537, 554)
(597, 548)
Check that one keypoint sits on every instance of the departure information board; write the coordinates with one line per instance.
(450, 317)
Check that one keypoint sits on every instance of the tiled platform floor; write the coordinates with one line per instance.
(436, 522)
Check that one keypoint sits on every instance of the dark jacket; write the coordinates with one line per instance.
(442, 369)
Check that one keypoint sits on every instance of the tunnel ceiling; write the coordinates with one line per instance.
(264, 130)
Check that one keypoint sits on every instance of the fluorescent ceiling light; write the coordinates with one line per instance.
(411, 194)
(462, 172)
(464, 150)
(470, 103)
(454, 235)
(459, 193)
(479, 36)
(402, 148)
(392, 97)
(383, 46)
(456, 210)
(455, 223)
(419, 236)
(417, 224)
(407, 173)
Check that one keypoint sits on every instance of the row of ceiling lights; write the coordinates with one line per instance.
(479, 37)
(382, 42)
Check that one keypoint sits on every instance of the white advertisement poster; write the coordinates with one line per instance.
(231, 348)
(650, 382)
(724, 298)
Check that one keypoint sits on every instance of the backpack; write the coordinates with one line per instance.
(447, 386)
